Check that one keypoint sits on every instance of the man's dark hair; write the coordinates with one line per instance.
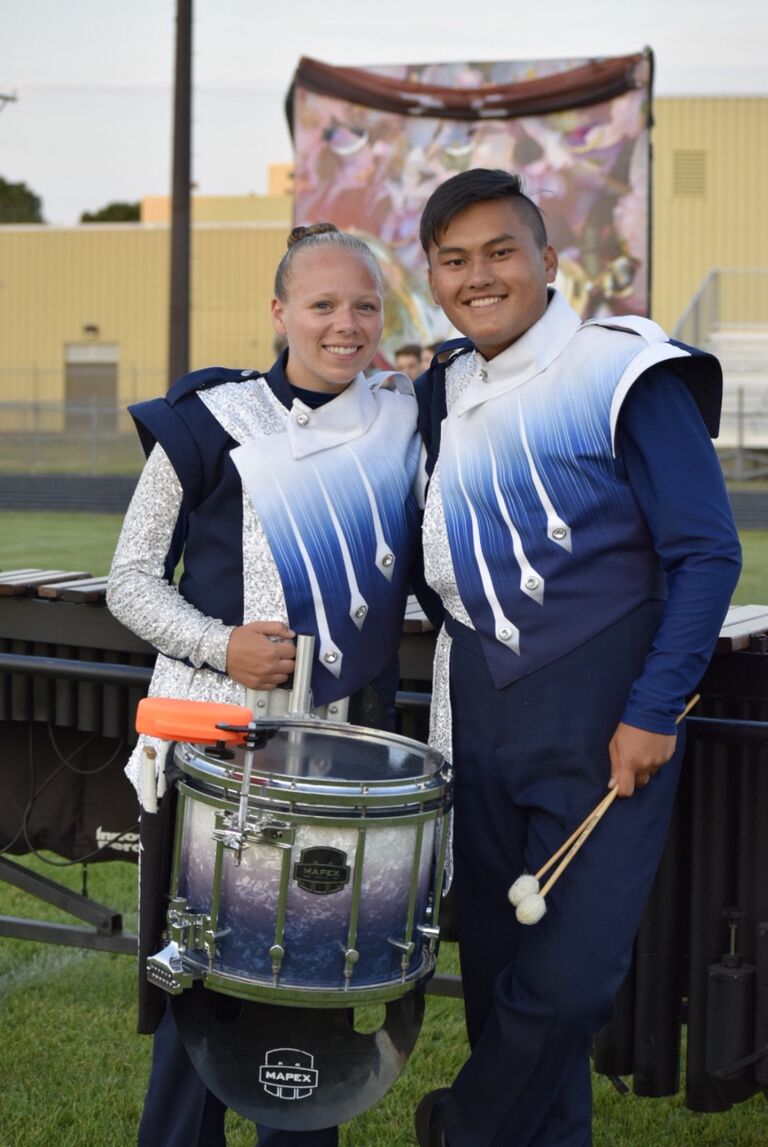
(479, 185)
(412, 349)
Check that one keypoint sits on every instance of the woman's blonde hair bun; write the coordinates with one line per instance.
(300, 233)
(320, 235)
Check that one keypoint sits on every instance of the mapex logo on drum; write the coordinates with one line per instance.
(287, 1073)
(321, 870)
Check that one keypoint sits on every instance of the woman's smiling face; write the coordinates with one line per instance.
(333, 317)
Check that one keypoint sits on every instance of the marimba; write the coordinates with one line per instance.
(68, 669)
(70, 679)
(701, 956)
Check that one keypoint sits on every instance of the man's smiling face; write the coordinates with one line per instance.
(489, 274)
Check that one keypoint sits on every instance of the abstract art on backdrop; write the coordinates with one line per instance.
(372, 144)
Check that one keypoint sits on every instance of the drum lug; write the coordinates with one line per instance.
(276, 954)
(431, 934)
(165, 970)
(228, 833)
(351, 956)
(407, 947)
(209, 943)
(190, 929)
(272, 832)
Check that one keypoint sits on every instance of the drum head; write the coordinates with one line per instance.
(313, 758)
(294, 1069)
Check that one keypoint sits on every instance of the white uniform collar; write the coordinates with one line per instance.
(532, 353)
(347, 417)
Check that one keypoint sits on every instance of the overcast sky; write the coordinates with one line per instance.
(92, 122)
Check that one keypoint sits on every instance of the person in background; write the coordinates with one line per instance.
(228, 451)
(408, 360)
(578, 531)
(428, 353)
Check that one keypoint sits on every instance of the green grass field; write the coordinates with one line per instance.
(57, 454)
(58, 541)
(73, 1069)
(87, 541)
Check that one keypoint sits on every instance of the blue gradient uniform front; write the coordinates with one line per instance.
(334, 496)
(568, 503)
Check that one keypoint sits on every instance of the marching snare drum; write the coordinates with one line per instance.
(330, 896)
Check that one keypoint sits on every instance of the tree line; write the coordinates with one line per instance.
(20, 204)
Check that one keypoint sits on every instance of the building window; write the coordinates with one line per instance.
(689, 173)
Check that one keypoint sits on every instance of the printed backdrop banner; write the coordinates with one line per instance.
(372, 144)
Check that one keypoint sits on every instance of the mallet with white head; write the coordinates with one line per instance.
(524, 893)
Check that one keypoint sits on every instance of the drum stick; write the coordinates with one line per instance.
(582, 832)
(597, 811)
(149, 779)
(245, 788)
(528, 885)
(691, 704)
(161, 781)
(300, 704)
(251, 696)
(589, 825)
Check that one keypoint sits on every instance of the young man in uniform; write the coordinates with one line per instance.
(579, 534)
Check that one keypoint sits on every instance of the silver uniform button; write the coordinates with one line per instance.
(559, 533)
(330, 658)
(246, 373)
(302, 419)
(361, 611)
(387, 560)
(531, 583)
(505, 634)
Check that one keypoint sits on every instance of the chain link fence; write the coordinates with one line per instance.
(53, 438)
(728, 316)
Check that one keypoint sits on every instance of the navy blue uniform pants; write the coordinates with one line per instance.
(180, 1111)
(531, 761)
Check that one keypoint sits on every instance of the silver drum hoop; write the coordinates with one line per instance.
(319, 765)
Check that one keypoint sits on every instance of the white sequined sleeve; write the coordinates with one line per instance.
(138, 594)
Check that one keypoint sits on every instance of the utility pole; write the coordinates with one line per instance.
(178, 331)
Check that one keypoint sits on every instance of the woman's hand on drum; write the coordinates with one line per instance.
(636, 755)
(261, 654)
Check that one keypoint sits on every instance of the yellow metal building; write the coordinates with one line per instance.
(710, 172)
(84, 310)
